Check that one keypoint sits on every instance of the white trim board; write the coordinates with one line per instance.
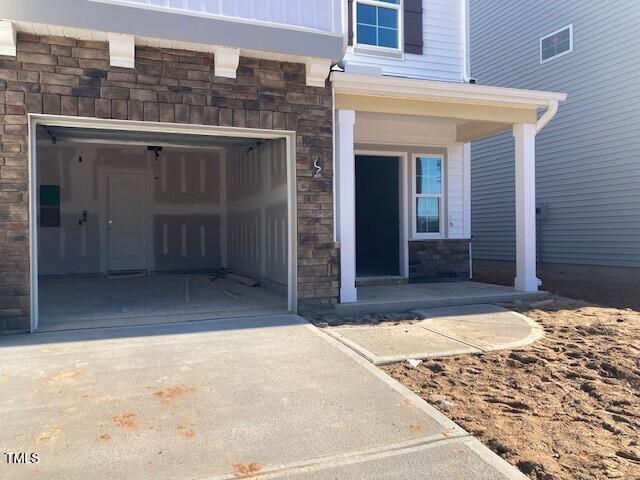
(157, 127)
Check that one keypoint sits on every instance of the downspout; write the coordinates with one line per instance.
(542, 122)
(547, 116)
(465, 41)
(466, 78)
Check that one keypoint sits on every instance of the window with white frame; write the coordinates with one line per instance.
(556, 44)
(428, 195)
(377, 23)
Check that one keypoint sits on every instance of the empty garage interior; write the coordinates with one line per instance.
(137, 227)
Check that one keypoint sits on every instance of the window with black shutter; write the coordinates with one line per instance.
(386, 24)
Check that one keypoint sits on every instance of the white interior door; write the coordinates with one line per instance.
(127, 222)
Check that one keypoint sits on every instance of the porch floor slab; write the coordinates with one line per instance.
(441, 332)
(411, 296)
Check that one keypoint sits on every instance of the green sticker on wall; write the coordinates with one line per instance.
(49, 195)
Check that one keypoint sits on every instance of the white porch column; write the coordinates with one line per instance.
(525, 158)
(346, 204)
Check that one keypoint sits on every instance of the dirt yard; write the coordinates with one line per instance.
(567, 407)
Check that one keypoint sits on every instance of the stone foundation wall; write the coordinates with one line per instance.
(438, 260)
(63, 76)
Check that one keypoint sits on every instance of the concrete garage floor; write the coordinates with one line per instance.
(90, 302)
(441, 332)
(271, 397)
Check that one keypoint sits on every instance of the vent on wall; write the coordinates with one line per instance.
(556, 44)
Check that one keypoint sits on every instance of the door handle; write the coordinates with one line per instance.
(110, 224)
(83, 218)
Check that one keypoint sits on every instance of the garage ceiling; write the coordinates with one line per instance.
(122, 137)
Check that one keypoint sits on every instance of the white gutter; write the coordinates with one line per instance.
(411, 88)
(547, 116)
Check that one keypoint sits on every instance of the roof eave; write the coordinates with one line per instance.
(396, 87)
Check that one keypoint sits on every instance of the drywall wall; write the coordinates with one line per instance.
(187, 210)
(185, 206)
(208, 208)
(256, 192)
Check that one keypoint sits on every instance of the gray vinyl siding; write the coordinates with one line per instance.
(317, 35)
(441, 57)
(588, 157)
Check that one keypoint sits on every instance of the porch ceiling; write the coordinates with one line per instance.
(479, 111)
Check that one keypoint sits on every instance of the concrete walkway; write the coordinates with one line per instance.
(268, 397)
(443, 332)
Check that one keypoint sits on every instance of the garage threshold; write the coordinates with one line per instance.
(149, 321)
(98, 302)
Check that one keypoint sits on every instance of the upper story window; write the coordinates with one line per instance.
(378, 23)
(556, 44)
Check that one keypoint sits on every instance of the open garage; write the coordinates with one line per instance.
(140, 226)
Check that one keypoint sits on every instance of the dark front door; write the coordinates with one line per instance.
(377, 216)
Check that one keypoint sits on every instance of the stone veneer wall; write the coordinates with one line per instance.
(63, 76)
(438, 260)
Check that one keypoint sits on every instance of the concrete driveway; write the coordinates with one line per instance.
(258, 397)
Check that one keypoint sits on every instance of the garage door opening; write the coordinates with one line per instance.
(139, 227)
